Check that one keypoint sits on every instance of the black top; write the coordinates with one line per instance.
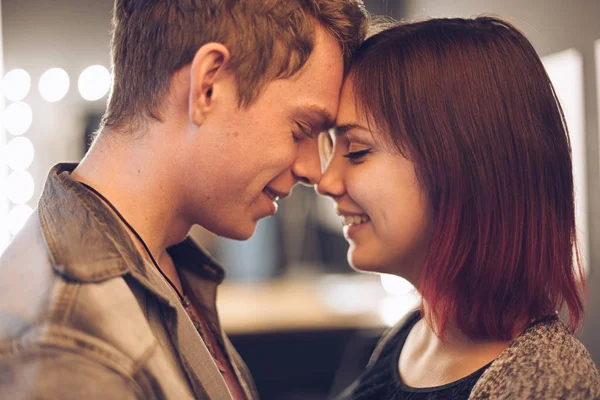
(381, 381)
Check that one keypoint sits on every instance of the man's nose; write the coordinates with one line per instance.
(307, 168)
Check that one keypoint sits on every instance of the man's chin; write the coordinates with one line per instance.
(236, 232)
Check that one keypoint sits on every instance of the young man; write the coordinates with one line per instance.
(213, 117)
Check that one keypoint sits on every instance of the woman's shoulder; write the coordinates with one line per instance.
(545, 362)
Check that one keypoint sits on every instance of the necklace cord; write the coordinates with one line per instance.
(137, 235)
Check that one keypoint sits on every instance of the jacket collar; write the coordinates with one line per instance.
(71, 214)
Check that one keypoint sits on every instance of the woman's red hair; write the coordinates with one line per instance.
(469, 102)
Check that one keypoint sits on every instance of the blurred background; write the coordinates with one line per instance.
(303, 320)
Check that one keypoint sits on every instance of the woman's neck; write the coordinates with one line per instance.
(427, 360)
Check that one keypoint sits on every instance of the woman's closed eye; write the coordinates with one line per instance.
(356, 157)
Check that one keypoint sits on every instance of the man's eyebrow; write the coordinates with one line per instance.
(320, 115)
(341, 130)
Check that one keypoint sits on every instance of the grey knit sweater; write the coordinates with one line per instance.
(545, 362)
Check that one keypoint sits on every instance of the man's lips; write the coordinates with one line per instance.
(275, 195)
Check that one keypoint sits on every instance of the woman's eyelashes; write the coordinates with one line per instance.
(356, 157)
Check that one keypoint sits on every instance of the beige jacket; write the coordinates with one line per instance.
(85, 315)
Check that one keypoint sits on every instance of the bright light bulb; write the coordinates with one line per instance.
(16, 84)
(94, 82)
(20, 187)
(17, 217)
(54, 84)
(395, 285)
(17, 118)
(19, 153)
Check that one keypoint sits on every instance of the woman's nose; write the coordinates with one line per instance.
(331, 183)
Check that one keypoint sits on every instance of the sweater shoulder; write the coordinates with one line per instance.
(545, 362)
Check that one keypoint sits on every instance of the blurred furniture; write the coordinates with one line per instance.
(303, 338)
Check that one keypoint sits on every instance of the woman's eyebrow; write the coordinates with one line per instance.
(342, 130)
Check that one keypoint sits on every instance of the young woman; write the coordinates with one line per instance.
(450, 167)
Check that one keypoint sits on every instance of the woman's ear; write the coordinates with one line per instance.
(207, 67)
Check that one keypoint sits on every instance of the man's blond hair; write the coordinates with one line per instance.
(267, 39)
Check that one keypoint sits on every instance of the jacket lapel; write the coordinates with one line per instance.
(203, 373)
(241, 370)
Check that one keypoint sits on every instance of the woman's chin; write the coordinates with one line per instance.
(363, 264)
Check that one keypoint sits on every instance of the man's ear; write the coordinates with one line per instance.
(207, 67)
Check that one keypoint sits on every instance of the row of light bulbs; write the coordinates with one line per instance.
(93, 84)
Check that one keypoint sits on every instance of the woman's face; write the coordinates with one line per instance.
(384, 211)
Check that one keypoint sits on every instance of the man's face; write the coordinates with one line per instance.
(252, 156)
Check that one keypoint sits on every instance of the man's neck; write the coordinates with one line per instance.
(136, 176)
